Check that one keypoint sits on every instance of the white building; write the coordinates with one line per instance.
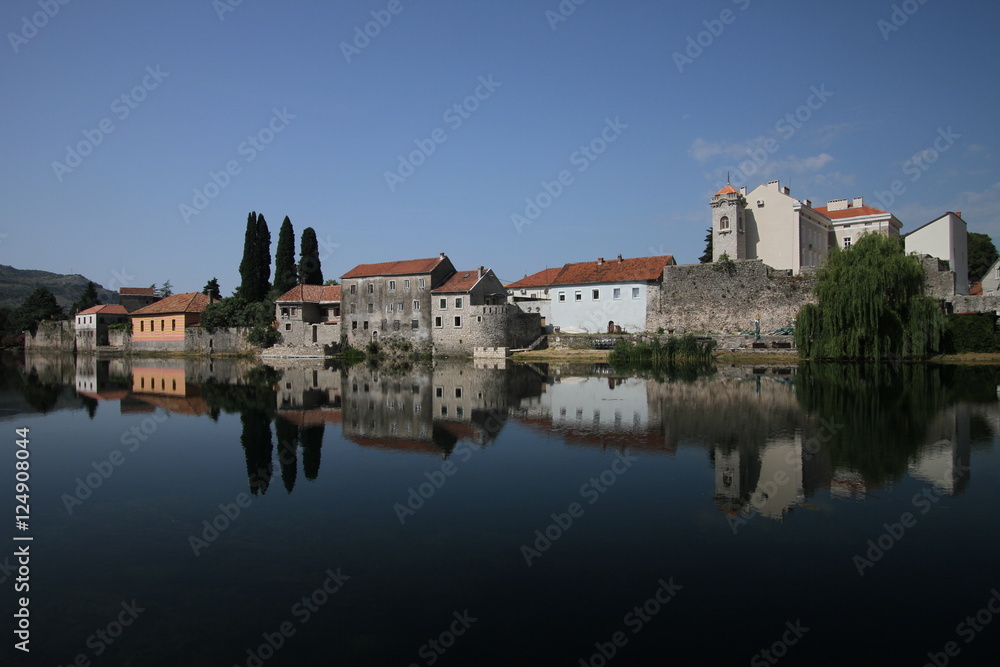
(849, 219)
(946, 238)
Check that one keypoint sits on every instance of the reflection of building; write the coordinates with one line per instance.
(94, 378)
(168, 389)
(944, 458)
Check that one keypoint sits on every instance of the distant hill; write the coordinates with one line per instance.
(16, 284)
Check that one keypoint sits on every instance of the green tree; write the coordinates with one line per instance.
(39, 305)
(211, 289)
(331, 281)
(871, 305)
(255, 267)
(286, 275)
(87, 300)
(310, 271)
(166, 290)
(982, 255)
(707, 257)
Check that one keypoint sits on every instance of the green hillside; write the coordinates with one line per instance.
(16, 284)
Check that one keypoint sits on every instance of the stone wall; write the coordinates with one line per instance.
(708, 298)
(975, 304)
(196, 341)
(939, 279)
(488, 326)
(55, 336)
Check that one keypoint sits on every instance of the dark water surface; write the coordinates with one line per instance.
(471, 515)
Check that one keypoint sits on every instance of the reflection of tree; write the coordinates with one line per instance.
(312, 443)
(288, 440)
(42, 396)
(90, 405)
(256, 392)
(881, 413)
(258, 448)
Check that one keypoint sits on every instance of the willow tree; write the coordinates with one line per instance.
(871, 305)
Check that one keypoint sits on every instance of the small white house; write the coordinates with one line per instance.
(946, 238)
(91, 325)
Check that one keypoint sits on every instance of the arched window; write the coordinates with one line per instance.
(724, 222)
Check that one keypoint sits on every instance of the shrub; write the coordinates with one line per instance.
(973, 332)
(263, 335)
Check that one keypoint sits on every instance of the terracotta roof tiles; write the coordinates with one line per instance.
(311, 294)
(188, 302)
(461, 281)
(613, 271)
(105, 309)
(141, 291)
(728, 190)
(852, 212)
(397, 268)
(541, 279)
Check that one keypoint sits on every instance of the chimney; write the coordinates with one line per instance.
(858, 202)
(600, 261)
(480, 272)
(620, 260)
(958, 213)
(836, 205)
(441, 255)
(743, 190)
(807, 202)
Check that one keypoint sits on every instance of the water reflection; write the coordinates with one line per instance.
(774, 437)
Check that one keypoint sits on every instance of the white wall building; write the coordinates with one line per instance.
(946, 238)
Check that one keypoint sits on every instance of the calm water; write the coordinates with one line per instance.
(472, 515)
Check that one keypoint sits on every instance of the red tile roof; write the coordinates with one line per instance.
(540, 279)
(976, 289)
(398, 268)
(461, 281)
(852, 212)
(728, 190)
(188, 302)
(105, 309)
(312, 294)
(613, 271)
(141, 291)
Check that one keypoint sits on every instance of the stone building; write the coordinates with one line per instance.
(309, 316)
(134, 298)
(91, 325)
(392, 299)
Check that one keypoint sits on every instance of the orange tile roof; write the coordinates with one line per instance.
(142, 291)
(188, 302)
(461, 281)
(976, 289)
(106, 309)
(852, 212)
(312, 294)
(541, 279)
(613, 271)
(398, 268)
(728, 190)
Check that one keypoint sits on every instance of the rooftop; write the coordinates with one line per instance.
(615, 270)
(461, 281)
(105, 309)
(188, 302)
(312, 294)
(406, 267)
(541, 279)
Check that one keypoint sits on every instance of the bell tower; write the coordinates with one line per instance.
(728, 228)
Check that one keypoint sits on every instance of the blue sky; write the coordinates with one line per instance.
(664, 96)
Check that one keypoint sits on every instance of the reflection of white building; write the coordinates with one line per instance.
(944, 460)
(779, 487)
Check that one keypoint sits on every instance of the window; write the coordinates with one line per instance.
(724, 223)
(395, 325)
(420, 283)
(458, 392)
(635, 292)
(163, 325)
(617, 293)
(458, 321)
(392, 285)
(562, 297)
(288, 327)
(578, 296)
(366, 325)
(389, 307)
(414, 324)
(173, 325)
(847, 241)
(596, 294)
(416, 305)
(406, 284)
(437, 321)
(284, 312)
(354, 325)
(371, 288)
(354, 308)
(399, 306)
(142, 325)
(294, 310)
(354, 288)
(458, 302)
(371, 307)
(438, 392)
(443, 304)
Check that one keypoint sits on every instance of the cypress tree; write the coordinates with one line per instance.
(249, 271)
(264, 257)
(707, 257)
(285, 274)
(310, 271)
